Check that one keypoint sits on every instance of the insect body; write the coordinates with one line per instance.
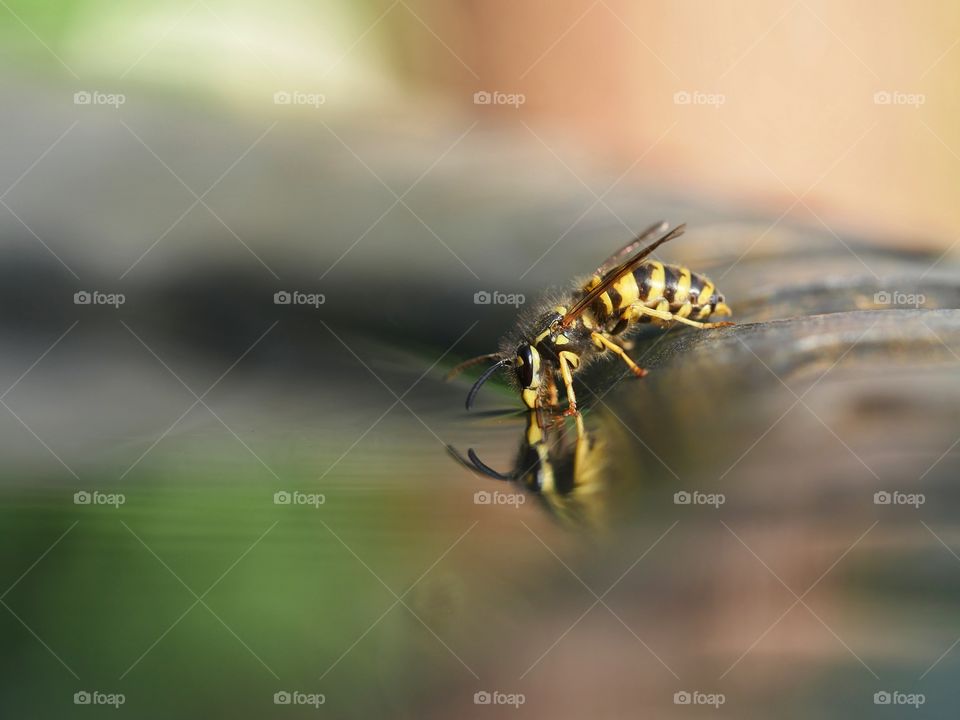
(616, 299)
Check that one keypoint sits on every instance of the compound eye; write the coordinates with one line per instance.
(525, 366)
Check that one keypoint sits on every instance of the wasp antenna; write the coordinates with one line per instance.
(470, 363)
(484, 468)
(482, 379)
(474, 464)
(455, 454)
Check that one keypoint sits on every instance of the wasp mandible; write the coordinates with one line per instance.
(619, 296)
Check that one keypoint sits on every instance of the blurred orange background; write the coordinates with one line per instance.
(800, 130)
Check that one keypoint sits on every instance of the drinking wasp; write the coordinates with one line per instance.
(619, 296)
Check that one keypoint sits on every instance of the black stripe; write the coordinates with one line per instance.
(697, 283)
(599, 310)
(642, 276)
(615, 298)
(671, 278)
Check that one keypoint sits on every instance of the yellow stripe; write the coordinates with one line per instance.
(656, 282)
(683, 286)
(706, 293)
(607, 303)
(627, 287)
(534, 434)
(547, 481)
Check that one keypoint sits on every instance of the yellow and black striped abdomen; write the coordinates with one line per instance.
(640, 286)
(657, 286)
(676, 284)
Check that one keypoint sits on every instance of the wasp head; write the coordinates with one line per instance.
(523, 357)
(529, 365)
(527, 368)
(525, 362)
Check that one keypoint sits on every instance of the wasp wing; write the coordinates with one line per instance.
(618, 256)
(616, 273)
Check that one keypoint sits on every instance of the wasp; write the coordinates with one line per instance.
(626, 291)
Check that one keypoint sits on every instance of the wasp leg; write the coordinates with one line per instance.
(603, 343)
(581, 432)
(568, 383)
(665, 315)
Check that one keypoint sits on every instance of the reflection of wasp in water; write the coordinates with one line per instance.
(614, 301)
(565, 472)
